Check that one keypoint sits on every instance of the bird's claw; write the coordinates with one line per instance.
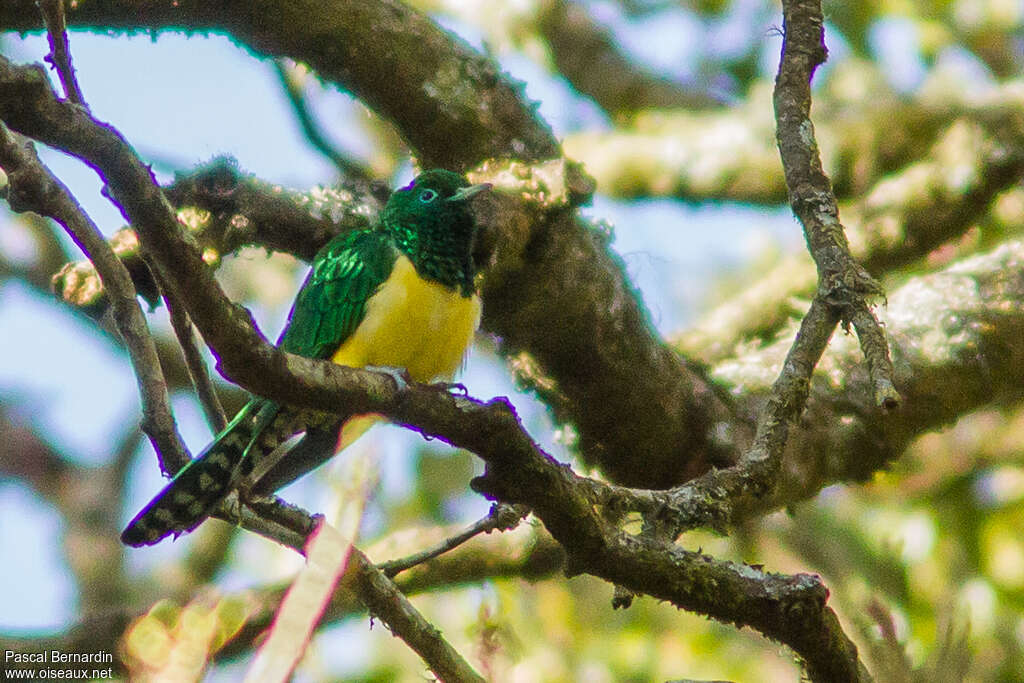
(400, 375)
(453, 388)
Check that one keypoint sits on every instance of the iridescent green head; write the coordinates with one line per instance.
(432, 225)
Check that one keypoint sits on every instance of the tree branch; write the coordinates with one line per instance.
(60, 53)
(586, 53)
(201, 381)
(291, 83)
(132, 186)
(375, 590)
(501, 516)
(961, 327)
(842, 282)
(389, 604)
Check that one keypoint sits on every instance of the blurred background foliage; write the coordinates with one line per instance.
(668, 104)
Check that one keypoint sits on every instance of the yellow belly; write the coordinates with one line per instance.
(415, 324)
(410, 323)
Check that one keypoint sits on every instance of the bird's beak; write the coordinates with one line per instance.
(464, 193)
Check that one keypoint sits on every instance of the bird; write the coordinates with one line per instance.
(399, 295)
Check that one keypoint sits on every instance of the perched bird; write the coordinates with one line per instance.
(399, 295)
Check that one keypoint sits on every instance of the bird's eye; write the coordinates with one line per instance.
(428, 196)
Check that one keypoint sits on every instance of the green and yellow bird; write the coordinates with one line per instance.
(399, 295)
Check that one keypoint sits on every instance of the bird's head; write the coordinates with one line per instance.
(435, 196)
(432, 225)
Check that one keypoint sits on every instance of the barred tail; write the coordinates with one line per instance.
(187, 499)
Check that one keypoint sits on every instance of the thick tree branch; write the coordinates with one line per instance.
(957, 344)
(716, 155)
(961, 327)
(726, 154)
(560, 302)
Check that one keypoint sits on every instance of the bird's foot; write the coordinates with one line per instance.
(452, 388)
(400, 375)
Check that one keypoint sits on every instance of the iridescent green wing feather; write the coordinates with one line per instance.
(332, 302)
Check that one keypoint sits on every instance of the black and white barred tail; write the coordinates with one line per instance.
(259, 428)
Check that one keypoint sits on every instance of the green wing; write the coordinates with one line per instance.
(332, 301)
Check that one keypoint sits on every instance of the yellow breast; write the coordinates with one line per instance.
(409, 323)
(415, 324)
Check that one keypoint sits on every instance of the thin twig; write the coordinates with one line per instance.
(876, 353)
(124, 454)
(388, 604)
(60, 52)
(501, 516)
(292, 85)
(842, 281)
(201, 381)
